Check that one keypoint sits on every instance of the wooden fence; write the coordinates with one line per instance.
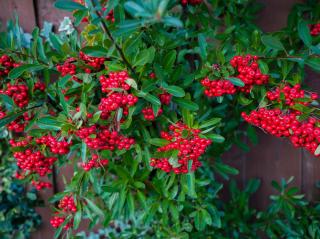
(271, 159)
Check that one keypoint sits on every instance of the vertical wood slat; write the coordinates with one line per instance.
(24, 9)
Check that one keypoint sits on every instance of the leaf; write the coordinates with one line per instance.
(210, 122)
(236, 81)
(134, 9)
(191, 181)
(77, 219)
(9, 118)
(151, 98)
(304, 33)
(18, 71)
(175, 91)
(158, 142)
(69, 5)
(172, 21)
(95, 51)
(50, 123)
(215, 138)
(169, 59)
(314, 63)
(132, 83)
(94, 207)
(225, 169)
(203, 45)
(187, 104)
(145, 56)
(7, 100)
(272, 42)
(252, 134)
(317, 151)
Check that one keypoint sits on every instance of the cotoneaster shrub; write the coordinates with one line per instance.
(141, 99)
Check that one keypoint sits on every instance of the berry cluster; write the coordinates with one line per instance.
(248, 71)
(95, 163)
(20, 123)
(315, 29)
(304, 134)
(39, 86)
(56, 147)
(67, 206)
(39, 185)
(188, 145)
(116, 100)
(18, 92)
(95, 62)
(22, 143)
(148, 113)
(192, 2)
(114, 80)
(67, 68)
(217, 88)
(101, 138)
(7, 64)
(165, 98)
(292, 95)
(34, 162)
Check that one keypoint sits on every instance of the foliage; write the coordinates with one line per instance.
(18, 217)
(121, 99)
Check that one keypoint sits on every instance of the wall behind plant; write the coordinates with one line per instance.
(271, 159)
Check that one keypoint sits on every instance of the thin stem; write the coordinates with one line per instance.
(119, 49)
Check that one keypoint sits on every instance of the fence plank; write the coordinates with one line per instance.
(24, 9)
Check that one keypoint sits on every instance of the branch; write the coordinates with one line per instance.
(107, 31)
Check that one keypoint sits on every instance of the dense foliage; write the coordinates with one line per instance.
(141, 99)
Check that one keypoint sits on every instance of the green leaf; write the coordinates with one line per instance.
(272, 42)
(314, 63)
(215, 138)
(172, 21)
(95, 51)
(145, 56)
(134, 9)
(317, 151)
(158, 142)
(169, 59)
(203, 45)
(304, 33)
(7, 100)
(175, 91)
(151, 98)
(49, 123)
(94, 207)
(77, 219)
(18, 71)
(69, 5)
(9, 118)
(191, 181)
(210, 122)
(236, 81)
(187, 104)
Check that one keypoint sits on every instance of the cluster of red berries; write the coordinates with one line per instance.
(19, 124)
(189, 146)
(315, 29)
(165, 98)
(94, 62)
(34, 162)
(18, 92)
(39, 185)
(304, 134)
(56, 147)
(116, 100)
(218, 88)
(148, 113)
(291, 95)
(67, 67)
(95, 163)
(7, 64)
(192, 2)
(39, 86)
(22, 143)
(67, 206)
(249, 71)
(104, 139)
(110, 15)
(114, 80)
